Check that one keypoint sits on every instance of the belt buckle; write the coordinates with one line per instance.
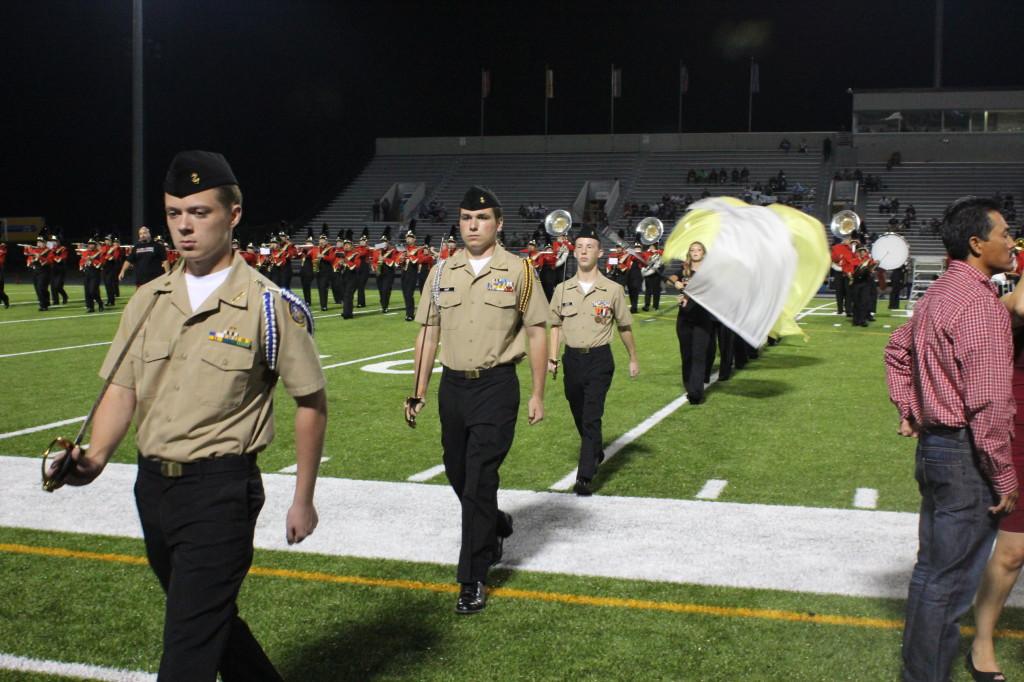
(472, 374)
(171, 469)
(584, 350)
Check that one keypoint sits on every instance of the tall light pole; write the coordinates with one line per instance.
(138, 176)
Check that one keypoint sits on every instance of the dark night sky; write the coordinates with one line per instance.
(294, 92)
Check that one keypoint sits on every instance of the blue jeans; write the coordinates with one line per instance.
(955, 535)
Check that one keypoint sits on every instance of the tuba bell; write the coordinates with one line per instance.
(844, 223)
(650, 230)
(558, 222)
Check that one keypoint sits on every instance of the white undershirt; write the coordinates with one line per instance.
(586, 286)
(478, 264)
(200, 288)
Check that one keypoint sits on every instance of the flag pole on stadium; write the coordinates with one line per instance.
(138, 174)
(684, 86)
(549, 93)
(485, 90)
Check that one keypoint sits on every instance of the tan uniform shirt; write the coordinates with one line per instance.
(480, 324)
(202, 382)
(586, 318)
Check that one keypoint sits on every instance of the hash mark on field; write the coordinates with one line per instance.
(293, 468)
(865, 498)
(52, 350)
(44, 427)
(79, 670)
(712, 489)
(427, 474)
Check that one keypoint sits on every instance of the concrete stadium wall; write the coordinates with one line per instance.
(582, 144)
(983, 147)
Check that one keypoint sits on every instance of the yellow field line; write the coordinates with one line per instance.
(513, 593)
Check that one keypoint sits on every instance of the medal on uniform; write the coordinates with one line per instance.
(230, 336)
(501, 284)
(602, 312)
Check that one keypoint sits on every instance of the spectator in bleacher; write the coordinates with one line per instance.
(376, 210)
(934, 225)
(735, 176)
(895, 159)
(785, 145)
(894, 205)
(723, 176)
(744, 174)
(826, 149)
(713, 176)
(894, 224)
(803, 145)
(705, 194)
(911, 212)
(883, 204)
(385, 209)
(691, 177)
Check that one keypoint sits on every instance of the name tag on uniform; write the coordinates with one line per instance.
(566, 304)
(444, 289)
(501, 284)
(230, 336)
(603, 311)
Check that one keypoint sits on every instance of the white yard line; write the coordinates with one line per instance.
(813, 311)
(427, 474)
(865, 498)
(372, 357)
(54, 350)
(82, 671)
(712, 489)
(45, 318)
(625, 439)
(293, 468)
(44, 427)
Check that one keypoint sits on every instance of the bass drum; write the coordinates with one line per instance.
(891, 251)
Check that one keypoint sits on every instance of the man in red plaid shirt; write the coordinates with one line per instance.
(949, 373)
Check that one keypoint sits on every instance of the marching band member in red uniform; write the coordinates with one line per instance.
(546, 260)
(363, 271)
(285, 254)
(427, 258)
(306, 275)
(37, 259)
(386, 262)
(347, 264)
(250, 256)
(862, 271)
(323, 260)
(59, 264)
(110, 267)
(842, 253)
(410, 274)
(90, 263)
(3, 260)
(632, 266)
(449, 248)
(652, 276)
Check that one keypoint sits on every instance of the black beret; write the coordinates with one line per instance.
(196, 171)
(477, 198)
(588, 232)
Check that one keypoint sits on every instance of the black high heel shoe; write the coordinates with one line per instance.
(980, 676)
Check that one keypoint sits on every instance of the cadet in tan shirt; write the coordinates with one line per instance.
(200, 379)
(583, 309)
(482, 304)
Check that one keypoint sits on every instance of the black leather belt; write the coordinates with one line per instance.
(199, 467)
(478, 373)
(584, 351)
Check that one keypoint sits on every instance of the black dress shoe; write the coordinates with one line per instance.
(600, 458)
(504, 532)
(582, 487)
(472, 599)
(408, 319)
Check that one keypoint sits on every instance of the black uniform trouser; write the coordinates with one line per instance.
(652, 290)
(586, 380)
(323, 283)
(634, 283)
(839, 285)
(362, 277)
(421, 278)
(57, 293)
(860, 292)
(694, 342)
(3, 295)
(726, 351)
(284, 275)
(336, 281)
(385, 281)
(198, 531)
(110, 284)
(548, 282)
(409, 278)
(306, 277)
(41, 283)
(92, 288)
(348, 290)
(873, 294)
(895, 288)
(478, 423)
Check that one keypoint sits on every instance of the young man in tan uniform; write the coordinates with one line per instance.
(215, 337)
(582, 311)
(482, 305)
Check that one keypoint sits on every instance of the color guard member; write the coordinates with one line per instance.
(200, 378)
(582, 311)
(481, 305)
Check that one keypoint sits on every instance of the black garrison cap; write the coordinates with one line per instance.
(195, 171)
(477, 198)
(588, 232)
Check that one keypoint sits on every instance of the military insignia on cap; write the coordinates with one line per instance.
(195, 178)
(482, 200)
